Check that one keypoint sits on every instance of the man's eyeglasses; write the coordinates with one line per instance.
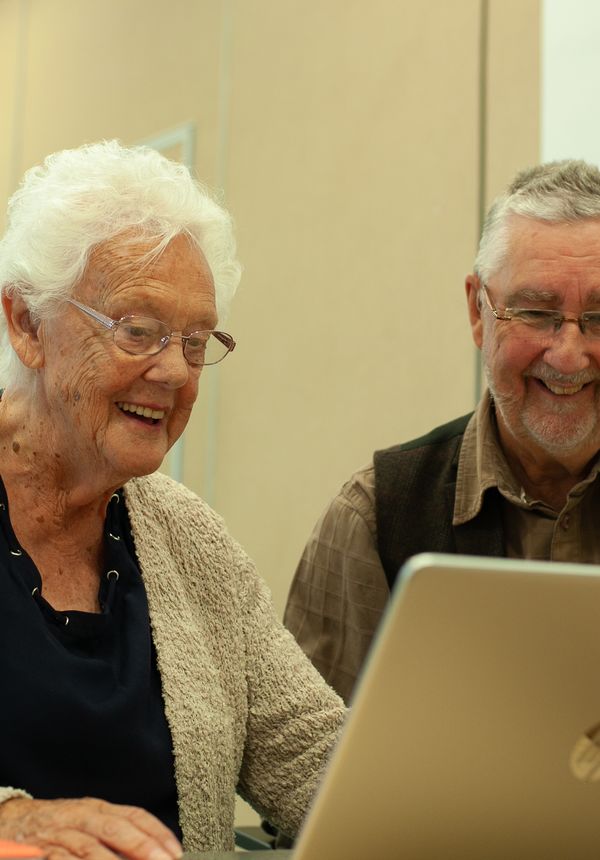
(146, 336)
(543, 321)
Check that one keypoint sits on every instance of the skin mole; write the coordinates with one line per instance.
(16, 447)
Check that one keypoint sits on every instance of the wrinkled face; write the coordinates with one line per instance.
(546, 388)
(94, 390)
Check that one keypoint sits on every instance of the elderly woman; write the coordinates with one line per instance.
(144, 674)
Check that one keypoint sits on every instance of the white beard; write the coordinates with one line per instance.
(557, 431)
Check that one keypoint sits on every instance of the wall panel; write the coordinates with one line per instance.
(347, 137)
(347, 140)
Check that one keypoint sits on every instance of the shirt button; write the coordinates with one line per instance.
(565, 522)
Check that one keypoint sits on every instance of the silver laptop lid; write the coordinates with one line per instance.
(472, 731)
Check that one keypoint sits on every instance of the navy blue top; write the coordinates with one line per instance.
(82, 713)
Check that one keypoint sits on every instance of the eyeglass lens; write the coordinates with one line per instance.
(146, 336)
(549, 322)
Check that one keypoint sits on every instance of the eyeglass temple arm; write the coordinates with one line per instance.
(225, 339)
(106, 321)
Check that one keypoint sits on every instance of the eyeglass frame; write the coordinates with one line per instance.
(557, 317)
(113, 325)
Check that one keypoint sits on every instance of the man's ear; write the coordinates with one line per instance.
(22, 330)
(474, 298)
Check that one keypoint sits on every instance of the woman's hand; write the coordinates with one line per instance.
(89, 828)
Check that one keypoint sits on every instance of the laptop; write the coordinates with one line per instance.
(475, 728)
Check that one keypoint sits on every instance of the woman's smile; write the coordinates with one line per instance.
(147, 414)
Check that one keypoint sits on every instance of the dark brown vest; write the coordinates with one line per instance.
(415, 486)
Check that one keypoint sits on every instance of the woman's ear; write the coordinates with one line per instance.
(473, 290)
(22, 330)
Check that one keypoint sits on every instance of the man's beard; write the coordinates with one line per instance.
(557, 430)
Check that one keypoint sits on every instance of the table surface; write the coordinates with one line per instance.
(230, 855)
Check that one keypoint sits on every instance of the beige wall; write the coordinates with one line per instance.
(353, 176)
(347, 136)
(348, 140)
(513, 92)
(353, 172)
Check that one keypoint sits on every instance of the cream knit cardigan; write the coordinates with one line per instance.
(246, 709)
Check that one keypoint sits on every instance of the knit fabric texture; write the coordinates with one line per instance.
(246, 709)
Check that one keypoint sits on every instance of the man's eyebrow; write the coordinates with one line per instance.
(544, 296)
(531, 294)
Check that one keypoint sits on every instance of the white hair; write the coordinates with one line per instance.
(79, 198)
(558, 191)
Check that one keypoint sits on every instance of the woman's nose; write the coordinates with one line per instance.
(169, 366)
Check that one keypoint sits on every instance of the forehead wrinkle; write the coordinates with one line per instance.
(116, 267)
(107, 271)
(115, 256)
(130, 258)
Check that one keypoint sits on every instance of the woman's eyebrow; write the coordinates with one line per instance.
(204, 322)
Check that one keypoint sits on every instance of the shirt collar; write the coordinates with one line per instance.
(482, 465)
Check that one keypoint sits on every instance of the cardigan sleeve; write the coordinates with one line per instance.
(246, 707)
(294, 717)
(7, 792)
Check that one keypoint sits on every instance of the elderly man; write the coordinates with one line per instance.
(518, 477)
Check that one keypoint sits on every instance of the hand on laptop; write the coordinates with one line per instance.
(89, 828)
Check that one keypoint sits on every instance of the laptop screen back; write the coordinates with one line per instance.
(472, 729)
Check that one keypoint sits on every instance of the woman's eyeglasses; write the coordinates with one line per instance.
(146, 336)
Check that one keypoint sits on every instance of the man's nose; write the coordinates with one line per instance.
(568, 350)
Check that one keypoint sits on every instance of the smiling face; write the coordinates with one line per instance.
(546, 388)
(113, 414)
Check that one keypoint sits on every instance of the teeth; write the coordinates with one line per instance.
(144, 411)
(563, 389)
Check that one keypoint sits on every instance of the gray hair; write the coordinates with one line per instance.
(558, 191)
(79, 198)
